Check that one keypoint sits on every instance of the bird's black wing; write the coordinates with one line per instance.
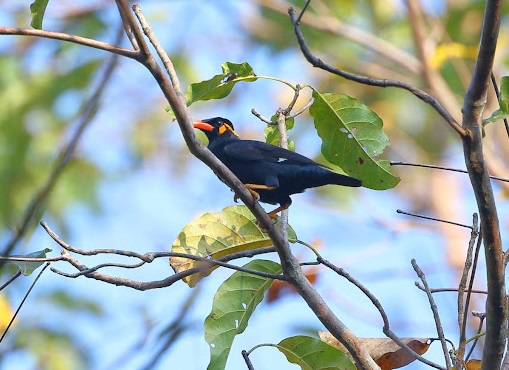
(251, 150)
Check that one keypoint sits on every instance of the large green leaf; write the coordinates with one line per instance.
(313, 354)
(220, 85)
(233, 305)
(352, 137)
(214, 235)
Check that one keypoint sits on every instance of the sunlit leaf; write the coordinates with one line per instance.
(233, 305)
(352, 138)
(38, 8)
(313, 354)
(220, 85)
(27, 268)
(214, 235)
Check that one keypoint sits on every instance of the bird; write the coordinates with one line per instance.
(269, 172)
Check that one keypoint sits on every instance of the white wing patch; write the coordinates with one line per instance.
(281, 159)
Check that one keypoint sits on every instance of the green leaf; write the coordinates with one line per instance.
(38, 8)
(497, 115)
(233, 305)
(313, 354)
(352, 137)
(27, 268)
(272, 133)
(214, 235)
(221, 85)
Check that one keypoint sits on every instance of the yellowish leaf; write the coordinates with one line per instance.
(214, 235)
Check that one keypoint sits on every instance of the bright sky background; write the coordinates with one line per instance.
(145, 211)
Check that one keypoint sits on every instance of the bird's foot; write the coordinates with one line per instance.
(255, 195)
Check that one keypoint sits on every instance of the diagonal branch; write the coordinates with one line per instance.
(316, 62)
(290, 265)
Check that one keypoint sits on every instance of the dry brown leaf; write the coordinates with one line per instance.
(473, 365)
(386, 353)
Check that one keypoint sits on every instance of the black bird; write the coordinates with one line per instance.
(270, 173)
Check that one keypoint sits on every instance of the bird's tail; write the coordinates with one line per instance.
(325, 177)
(345, 180)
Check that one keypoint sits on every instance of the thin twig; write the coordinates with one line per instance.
(168, 65)
(395, 163)
(23, 301)
(479, 329)
(434, 309)
(316, 62)
(472, 277)
(255, 113)
(70, 38)
(462, 286)
(302, 110)
(449, 290)
(11, 279)
(433, 219)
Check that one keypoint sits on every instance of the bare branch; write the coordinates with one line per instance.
(70, 38)
(464, 307)
(436, 316)
(446, 290)
(160, 52)
(396, 163)
(433, 219)
(316, 62)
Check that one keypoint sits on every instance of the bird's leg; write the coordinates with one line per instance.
(273, 214)
(254, 193)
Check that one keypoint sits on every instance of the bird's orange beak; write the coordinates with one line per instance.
(204, 126)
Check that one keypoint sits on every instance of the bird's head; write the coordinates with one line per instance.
(216, 128)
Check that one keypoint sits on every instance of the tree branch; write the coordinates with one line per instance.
(290, 266)
(475, 100)
(70, 38)
(316, 62)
